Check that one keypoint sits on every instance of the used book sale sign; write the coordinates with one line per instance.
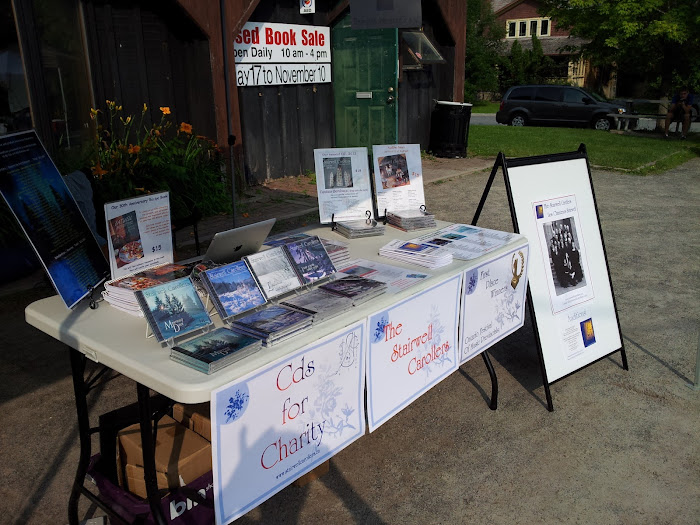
(269, 54)
(412, 347)
(283, 420)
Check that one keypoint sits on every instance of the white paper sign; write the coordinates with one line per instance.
(307, 7)
(277, 54)
(342, 180)
(139, 234)
(278, 423)
(493, 302)
(412, 347)
(398, 177)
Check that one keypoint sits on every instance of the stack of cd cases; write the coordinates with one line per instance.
(273, 323)
(360, 228)
(409, 220)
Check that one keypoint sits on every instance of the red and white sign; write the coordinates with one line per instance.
(270, 54)
(268, 43)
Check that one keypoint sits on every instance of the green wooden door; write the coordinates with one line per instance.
(365, 85)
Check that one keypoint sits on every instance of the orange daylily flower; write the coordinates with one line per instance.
(165, 110)
(133, 150)
(185, 127)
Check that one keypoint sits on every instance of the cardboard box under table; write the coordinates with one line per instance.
(181, 456)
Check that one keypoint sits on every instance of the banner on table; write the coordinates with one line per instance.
(281, 421)
(412, 347)
(493, 302)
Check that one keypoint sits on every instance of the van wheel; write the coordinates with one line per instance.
(602, 123)
(518, 120)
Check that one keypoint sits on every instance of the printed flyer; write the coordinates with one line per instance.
(398, 177)
(563, 252)
(39, 199)
(412, 347)
(493, 303)
(283, 420)
(343, 183)
(138, 233)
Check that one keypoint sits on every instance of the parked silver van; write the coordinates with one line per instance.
(556, 105)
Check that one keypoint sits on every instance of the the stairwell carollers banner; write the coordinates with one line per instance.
(49, 216)
(281, 421)
(270, 54)
(412, 347)
(568, 272)
(493, 302)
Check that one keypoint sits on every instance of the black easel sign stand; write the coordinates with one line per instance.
(570, 293)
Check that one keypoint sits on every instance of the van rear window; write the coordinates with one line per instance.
(522, 93)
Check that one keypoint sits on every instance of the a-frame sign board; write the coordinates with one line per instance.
(570, 294)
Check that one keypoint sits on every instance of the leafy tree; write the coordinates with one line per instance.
(656, 40)
(525, 66)
(484, 44)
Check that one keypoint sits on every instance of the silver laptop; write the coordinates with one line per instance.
(231, 245)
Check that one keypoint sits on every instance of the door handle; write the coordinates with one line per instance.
(389, 100)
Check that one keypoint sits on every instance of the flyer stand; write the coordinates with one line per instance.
(569, 295)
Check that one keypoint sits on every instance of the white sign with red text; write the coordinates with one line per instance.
(412, 347)
(278, 54)
(284, 419)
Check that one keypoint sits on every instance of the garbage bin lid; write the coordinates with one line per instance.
(450, 103)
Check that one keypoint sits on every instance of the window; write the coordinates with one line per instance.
(521, 93)
(419, 50)
(529, 27)
(548, 94)
(574, 96)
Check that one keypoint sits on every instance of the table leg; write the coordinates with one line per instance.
(494, 380)
(148, 432)
(77, 362)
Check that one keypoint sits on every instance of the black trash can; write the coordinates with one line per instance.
(449, 129)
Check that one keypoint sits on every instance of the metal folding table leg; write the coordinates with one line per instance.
(77, 361)
(148, 433)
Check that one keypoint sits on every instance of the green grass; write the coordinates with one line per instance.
(485, 107)
(636, 154)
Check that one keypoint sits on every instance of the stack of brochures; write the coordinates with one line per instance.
(273, 324)
(337, 251)
(319, 303)
(417, 253)
(360, 228)
(120, 293)
(409, 220)
(358, 289)
(214, 350)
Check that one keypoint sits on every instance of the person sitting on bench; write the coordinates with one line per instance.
(680, 110)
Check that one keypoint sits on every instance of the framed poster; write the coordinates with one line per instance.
(554, 206)
(398, 177)
(281, 421)
(38, 196)
(343, 184)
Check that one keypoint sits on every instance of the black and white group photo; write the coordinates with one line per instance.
(564, 255)
(338, 172)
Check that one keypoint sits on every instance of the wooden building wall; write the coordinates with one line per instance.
(150, 53)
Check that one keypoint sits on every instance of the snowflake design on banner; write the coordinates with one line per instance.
(472, 281)
(507, 308)
(379, 323)
(237, 404)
